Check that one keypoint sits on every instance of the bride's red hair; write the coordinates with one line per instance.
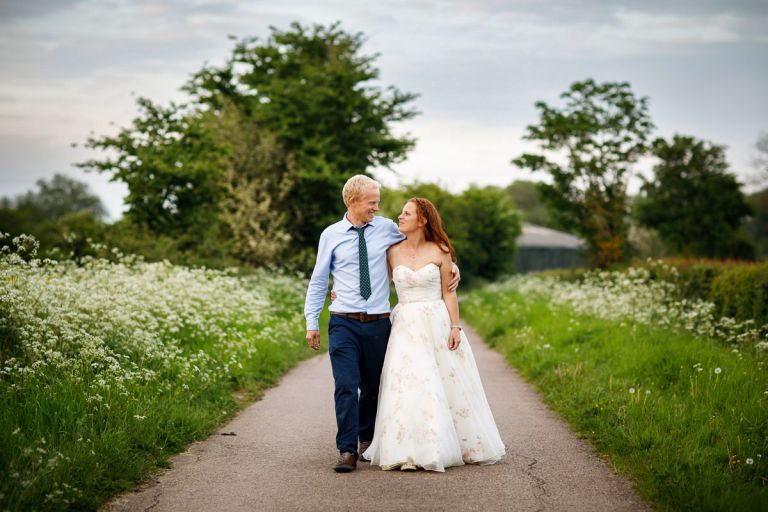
(433, 230)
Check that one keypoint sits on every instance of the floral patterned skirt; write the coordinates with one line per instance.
(432, 408)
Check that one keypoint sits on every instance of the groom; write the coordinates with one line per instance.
(354, 250)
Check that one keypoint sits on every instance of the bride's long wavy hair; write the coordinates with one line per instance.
(433, 230)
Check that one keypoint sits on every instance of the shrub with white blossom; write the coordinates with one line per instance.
(124, 349)
(634, 296)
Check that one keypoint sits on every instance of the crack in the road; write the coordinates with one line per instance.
(155, 499)
(540, 491)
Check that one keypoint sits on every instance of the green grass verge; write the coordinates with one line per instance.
(686, 418)
(60, 450)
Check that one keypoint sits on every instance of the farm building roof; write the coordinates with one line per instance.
(538, 236)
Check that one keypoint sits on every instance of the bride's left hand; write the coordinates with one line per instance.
(454, 340)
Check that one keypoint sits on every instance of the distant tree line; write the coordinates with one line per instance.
(249, 171)
(588, 147)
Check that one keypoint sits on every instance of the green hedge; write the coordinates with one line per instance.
(738, 289)
(741, 292)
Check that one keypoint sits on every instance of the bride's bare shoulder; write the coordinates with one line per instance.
(436, 253)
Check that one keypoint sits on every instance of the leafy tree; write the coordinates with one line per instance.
(760, 161)
(600, 131)
(393, 200)
(693, 201)
(256, 178)
(483, 225)
(527, 200)
(170, 161)
(62, 214)
(254, 164)
(56, 198)
(757, 224)
(311, 88)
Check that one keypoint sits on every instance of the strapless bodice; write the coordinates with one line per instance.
(417, 285)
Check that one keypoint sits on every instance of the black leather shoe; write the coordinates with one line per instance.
(347, 462)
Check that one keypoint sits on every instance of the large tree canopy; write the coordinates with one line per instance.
(693, 201)
(587, 147)
(313, 89)
(314, 116)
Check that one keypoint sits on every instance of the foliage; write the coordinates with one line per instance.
(760, 161)
(253, 165)
(170, 161)
(684, 416)
(734, 290)
(741, 292)
(601, 130)
(256, 178)
(311, 88)
(757, 224)
(54, 199)
(637, 295)
(693, 201)
(483, 225)
(526, 197)
(62, 214)
(481, 222)
(108, 367)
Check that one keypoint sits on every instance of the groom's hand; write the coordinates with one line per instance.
(313, 339)
(456, 278)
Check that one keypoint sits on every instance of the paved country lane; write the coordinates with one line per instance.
(282, 457)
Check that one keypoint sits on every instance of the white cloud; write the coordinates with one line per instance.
(67, 68)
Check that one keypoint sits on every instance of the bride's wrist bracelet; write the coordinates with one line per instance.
(456, 326)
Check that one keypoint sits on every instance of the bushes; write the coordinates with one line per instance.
(109, 366)
(741, 292)
(737, 289)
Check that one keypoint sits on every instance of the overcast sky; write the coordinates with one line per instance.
(69, 68)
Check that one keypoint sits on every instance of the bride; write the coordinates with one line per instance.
(432, 411)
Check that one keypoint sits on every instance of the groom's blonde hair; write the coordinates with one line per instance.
(355, 186)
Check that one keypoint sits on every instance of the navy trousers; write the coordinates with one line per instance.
(357, 351)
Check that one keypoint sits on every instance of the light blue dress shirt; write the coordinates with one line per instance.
(338, 254)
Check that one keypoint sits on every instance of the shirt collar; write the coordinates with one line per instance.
(348, 225)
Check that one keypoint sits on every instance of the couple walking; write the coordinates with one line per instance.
(407, 391)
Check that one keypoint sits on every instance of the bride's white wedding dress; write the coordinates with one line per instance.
(432, 408)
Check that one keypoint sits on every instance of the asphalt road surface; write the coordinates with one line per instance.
(283, 454)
